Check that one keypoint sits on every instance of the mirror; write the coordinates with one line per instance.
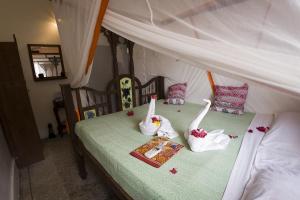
(46, 62)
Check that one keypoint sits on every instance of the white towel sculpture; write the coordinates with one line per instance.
(156, 124)
(201, 140)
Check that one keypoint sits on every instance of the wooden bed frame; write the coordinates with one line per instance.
(79, 100)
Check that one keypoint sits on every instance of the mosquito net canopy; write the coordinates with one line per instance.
(257, 40)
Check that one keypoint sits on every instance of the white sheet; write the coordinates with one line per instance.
(251, 39)
(276, 169)
(242, 167)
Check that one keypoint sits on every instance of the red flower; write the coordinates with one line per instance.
(130, 113)
(250, 131)
(263, 129)
(199, 133)
(155, 119)
(173, 171)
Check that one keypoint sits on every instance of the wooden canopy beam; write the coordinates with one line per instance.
(97, 30)
(113, 40)
(211, 82)
(130, 45)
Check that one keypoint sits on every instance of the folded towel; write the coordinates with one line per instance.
(166, 129)
(156, 124)
(201, 140)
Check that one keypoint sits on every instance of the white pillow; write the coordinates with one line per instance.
(268, 185)
(276, 169)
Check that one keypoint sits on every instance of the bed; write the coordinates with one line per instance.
(107, 141)
(275, 171)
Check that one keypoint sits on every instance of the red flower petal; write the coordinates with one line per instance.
(199, 133)
(130, 113)
(155, 119)
(202, 134)
(262, 129)
(173, 171)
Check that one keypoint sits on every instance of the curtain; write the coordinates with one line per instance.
(257, 40)
(260, 98)
(76, 20)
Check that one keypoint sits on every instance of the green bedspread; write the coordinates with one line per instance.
(204, 175)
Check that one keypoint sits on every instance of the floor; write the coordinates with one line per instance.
(56, 177)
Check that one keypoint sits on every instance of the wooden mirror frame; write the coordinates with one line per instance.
(32, 63)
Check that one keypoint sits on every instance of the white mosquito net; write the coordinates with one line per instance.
(258, 40)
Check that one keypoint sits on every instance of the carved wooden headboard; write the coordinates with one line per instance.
(122, 93)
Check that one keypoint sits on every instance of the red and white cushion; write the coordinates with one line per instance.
(176, 93)
(230, 99)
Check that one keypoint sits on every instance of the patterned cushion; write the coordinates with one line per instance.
(176, 93)
(230, 99)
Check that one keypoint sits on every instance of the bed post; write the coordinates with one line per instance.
(66, 91)
(161, 89)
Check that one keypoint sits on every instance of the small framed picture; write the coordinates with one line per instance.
(89, 114)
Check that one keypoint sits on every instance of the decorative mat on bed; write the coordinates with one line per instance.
(169, 150)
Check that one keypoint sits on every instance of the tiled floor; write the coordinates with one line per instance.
(56, 178)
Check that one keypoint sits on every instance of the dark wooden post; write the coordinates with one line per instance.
(69, 106)
(113, 40)
(66, 91)
(130, 45)
(161, 88)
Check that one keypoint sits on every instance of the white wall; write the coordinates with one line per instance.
(32, 21)
(8, 189)
(102, 71)
(260, 99)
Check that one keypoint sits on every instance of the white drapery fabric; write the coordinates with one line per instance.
(76, 20)
(260, 98)
(258, 40)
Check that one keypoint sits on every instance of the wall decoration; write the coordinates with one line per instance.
(89, 114)
(126, 93)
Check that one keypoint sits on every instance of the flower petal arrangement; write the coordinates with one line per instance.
(263, 129)
(199, 133)
(156, 121)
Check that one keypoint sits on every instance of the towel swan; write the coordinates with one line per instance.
(201, 140)
(156, 124)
